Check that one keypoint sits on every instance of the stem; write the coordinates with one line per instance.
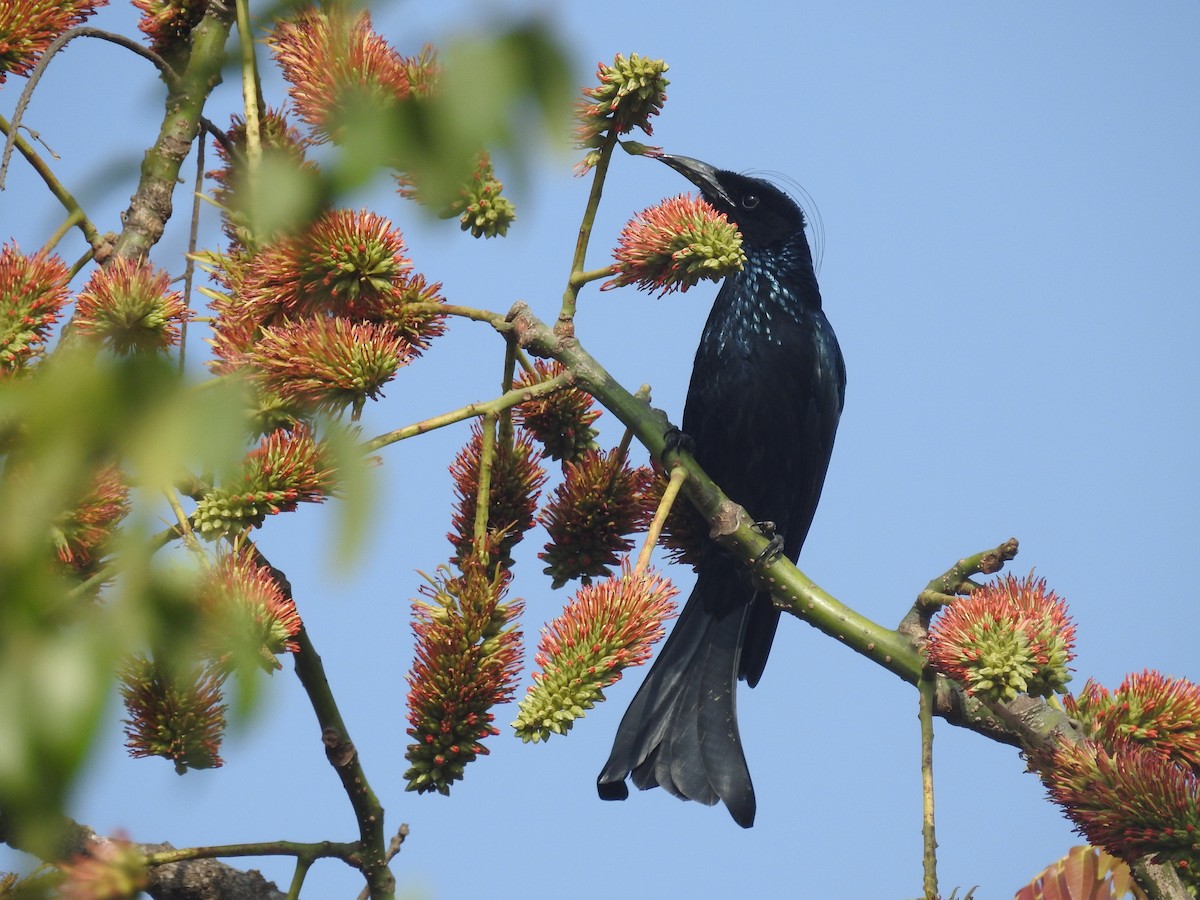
(566, 315)
(674, 484)
(75, 214)
(471, 410)
(151, 205)
(928, 695)
(483, 494)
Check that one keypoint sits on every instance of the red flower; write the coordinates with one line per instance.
(287, 468)
(607, 627)
(512, 499)
(176, 716)
(130, 306)
(562, 421)
(82, 535)
(600, 501)
(329, 363)
(28, 27)
(169, 23)
(1006, 638)
(674, 245)
(33, 291)
(336, 63)
(468, 657)
(248, 611)
(1130, 800)
(1149, 709)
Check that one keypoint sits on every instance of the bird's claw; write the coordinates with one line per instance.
(775, 546)
(675, 441)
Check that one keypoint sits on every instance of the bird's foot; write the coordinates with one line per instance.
(675, 441)
(773, 549)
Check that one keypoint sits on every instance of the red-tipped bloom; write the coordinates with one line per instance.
(516, 482)
(82, 535)
(130, 307)
(335, 62)
(287, 468)
(1148, 708)
(631, 91)
(109, 870)
(169, 23)
(468, 657)
(601, 500)
(675, 245)
(251, 617)
(562, 421)
(28, 27)
(347, 263)
(33, 291)
(179, 717)
(1130, 800)
(329, 364)
(1007, 638)
(607, 627)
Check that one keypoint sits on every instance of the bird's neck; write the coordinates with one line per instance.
(771, 289)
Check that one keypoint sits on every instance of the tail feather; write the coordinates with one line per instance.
(680, 732)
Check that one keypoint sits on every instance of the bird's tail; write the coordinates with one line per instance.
(680, 732)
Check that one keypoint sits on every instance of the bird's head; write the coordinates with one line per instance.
(763, 213)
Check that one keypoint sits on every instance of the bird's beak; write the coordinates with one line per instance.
(701, 174)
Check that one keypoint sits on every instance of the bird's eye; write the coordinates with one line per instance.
(750, 201)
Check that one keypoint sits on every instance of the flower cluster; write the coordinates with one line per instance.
(1149, 709)
(168, 23)
(600, 500)
(675, 245)
(323, 319)
(33, 291)
(176, 715)
(1129, 799)
(481, 209)
(287, 468)
(28, 27)
(631, 91)
(1008, 637)
(516, 481)
(468, 657)
(607, 627)
(334, 62)
(82, 535)
(129, 306)
(562, 421)
(109, 870)
(248, 611)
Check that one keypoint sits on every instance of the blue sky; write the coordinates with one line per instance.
(1011, 205)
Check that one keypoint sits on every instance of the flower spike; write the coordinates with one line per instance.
(606, 628)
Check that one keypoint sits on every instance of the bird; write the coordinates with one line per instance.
(762, 409)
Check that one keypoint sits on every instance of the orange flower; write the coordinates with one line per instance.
(176, 716)
(130, 306)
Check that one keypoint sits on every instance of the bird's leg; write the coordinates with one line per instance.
(773, 549)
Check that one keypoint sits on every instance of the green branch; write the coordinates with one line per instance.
(76, 217)
(151, 205)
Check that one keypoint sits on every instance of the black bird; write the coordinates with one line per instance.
(762, 409)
